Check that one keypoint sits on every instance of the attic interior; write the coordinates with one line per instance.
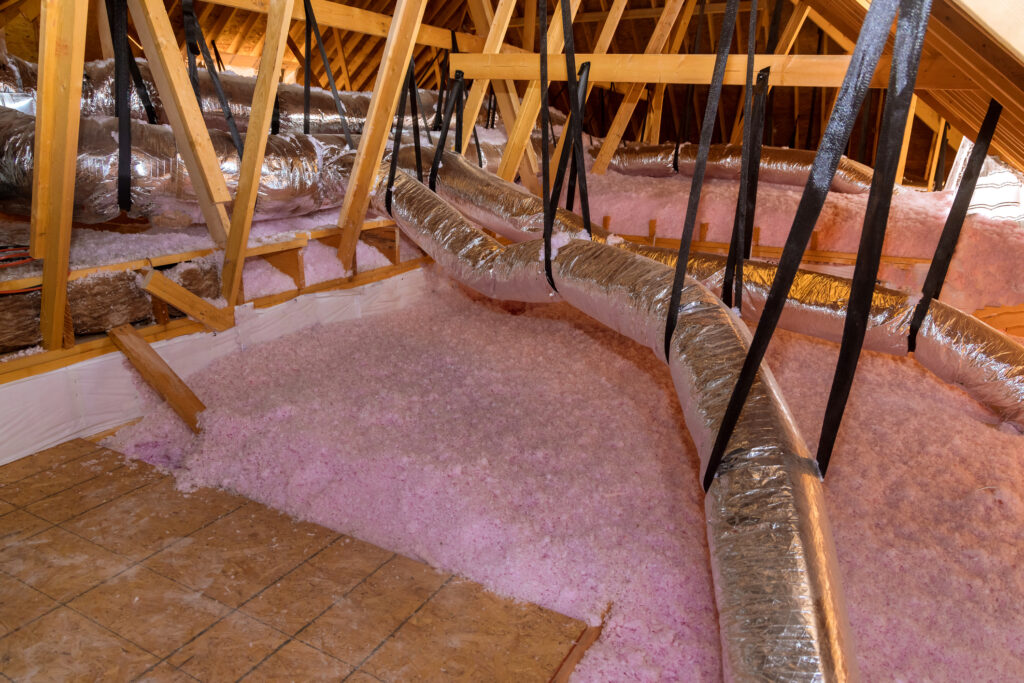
(333, 340)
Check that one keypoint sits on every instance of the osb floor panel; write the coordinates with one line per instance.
(109, 573)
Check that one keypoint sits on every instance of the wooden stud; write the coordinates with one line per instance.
(933, 154)
(261, 114)
(529, 24)
(390, 79)
(652, 229)
(98, 14)
(477, 93)
(61, 61)
(179, 100)
(158, 374)
(197, 308)
(905, 148)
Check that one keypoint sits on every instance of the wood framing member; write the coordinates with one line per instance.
(822, 71)
(261, 114)
(61, 60)
(170, 292)
(347, 18)
(655, 45)
(179, 100)
(158, 374)
(905, 148)
(394, 65)
(522, 129)
(477, 93)
(604, 41)
(639, 14)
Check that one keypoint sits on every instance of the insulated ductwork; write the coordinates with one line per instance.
(301, 173)
(780, 165)
(957, 347)
(781, 613)
(18, 85)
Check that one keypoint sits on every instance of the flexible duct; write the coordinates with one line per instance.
(780, 165)
(780, 610)
(957, 347)
(18, 88)
(301, 173)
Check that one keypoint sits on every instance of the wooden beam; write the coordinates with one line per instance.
(823, 71)
(179, 100)
(348, 18)
(169, 291)
(261, 114)
(640, 14)
(655, 104)
(158, 374)
(604, 41)
(390, 79)
(98, 14)
(905, 148)
(477, 93)
(61, 60)
(655, 45)
(522, 129)
(529, 24)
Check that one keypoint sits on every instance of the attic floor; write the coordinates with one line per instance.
(107, 572)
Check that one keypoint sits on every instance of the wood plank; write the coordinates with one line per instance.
(792, 70)
(61, 59)
(170, 292)
(261, 114)
(905, 147)
(390, 79)
(522, 129)
(158, 374)
(583, 642)
(477, 93)
(98, 14)
(655, 45)
(179, 100)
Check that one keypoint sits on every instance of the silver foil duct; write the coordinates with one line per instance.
(301, 173)
(957, 347)
(780, 165)
(781, 611)
(18, 84)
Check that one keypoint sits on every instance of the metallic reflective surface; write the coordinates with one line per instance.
(780, 607)
(18, 87)
(301, 173)
(955, 346)
(780, 165)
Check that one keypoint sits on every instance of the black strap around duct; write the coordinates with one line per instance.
(414, 106)
(866, 53)
(117, 12)
(577, 96)
(570, 158)
(196, 46)
(453, 97)
(910, 30)
(545, 151)
(954, 221)
(570, 193)
(940, 165)
(140, 88)
(696, 184)
(396, 145)
(737, 250)
(216, 55)
(313, 28)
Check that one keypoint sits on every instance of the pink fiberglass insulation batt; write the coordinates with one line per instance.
(985, 269)
(546, 457)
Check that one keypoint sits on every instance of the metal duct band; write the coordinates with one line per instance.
(955, 346)
(780, 165)
(780, 608)
(301, 173)
(18, 84)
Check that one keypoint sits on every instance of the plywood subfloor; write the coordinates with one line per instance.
(107, 572)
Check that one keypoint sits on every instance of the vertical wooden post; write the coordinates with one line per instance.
(901, 169)
(530, 25)
(61, 60)
(394, 64)
(278, 23)
(519, 135)
(495, 37)
(655, 44)
(179, 100)
(98, 17)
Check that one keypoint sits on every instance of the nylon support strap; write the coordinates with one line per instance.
(414, 106)
(545, 152)
(575, 115)
(910, 30)
(216, 55)
(872, 39)
(737, 250)
(396, 145)
(117, 12)
(197, 46)
(140, 87)
(954, 221)
(706, 129)
(453, 97)
(311, 25)
(569, 156)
